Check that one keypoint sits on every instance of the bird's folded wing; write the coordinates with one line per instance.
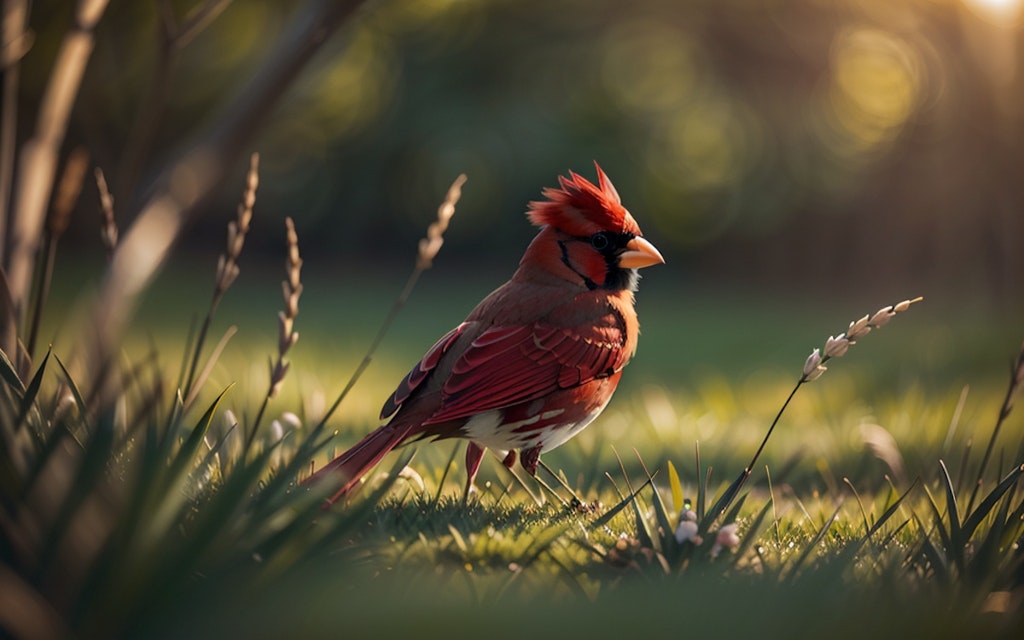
(505, 366)
(420, 372)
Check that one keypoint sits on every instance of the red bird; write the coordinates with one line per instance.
(538, 359)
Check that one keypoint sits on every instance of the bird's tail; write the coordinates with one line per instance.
(352, 465)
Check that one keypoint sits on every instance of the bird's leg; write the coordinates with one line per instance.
(510, 459)
(530, 458)
(474, 454)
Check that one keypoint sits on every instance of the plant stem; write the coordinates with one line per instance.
(403, 297)
(1004, 412)
(734, 489)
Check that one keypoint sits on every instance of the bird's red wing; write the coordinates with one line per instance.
(420, 372)
(505, 366)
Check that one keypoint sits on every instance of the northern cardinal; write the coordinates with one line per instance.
(539, 358)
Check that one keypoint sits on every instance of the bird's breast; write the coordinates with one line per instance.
(546, 422)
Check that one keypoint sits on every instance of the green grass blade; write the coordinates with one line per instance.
(661, 514)
(9, 375)
(29, 399)
(940, 525)
(936, 560)
(723, 501)
(751, 534)
(809, 548)
(79, 399)
(188, 449)
(607, 516)
(890, 511)
(979, 514)
(956, 538)
(734, 511)
(168, 493)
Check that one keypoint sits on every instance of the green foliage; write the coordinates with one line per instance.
(154, 524)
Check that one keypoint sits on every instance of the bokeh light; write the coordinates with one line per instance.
(740, 132)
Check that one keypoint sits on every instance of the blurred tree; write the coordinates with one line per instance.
(783, 141)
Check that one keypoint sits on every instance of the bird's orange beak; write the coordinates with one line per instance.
(640, 253)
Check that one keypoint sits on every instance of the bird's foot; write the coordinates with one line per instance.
(530, 458)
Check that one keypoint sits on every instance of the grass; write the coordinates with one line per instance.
(200, 540)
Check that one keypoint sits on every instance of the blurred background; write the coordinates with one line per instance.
(836, 155)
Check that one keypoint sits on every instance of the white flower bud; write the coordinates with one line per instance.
(837, 347)
(812, 362)
(858, 329)
(687, 530)
(881, 317)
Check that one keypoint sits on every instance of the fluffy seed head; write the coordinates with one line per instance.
(581, 208)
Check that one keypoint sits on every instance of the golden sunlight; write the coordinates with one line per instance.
(998, 11)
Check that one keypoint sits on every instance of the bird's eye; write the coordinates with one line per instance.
(600, 241)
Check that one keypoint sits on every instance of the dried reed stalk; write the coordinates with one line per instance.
(108, 226)
(227, 267)
(291, 289)
(814, 367)
(193, 176)
(38, 159)
(68, 190)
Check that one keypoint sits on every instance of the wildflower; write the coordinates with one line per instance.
(687, 530)
(813, 367)
(858, 329)
(882, 317)
(726, 538)
(836, 347)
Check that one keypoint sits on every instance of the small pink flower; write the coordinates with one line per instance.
(687, 530)
(726, 538)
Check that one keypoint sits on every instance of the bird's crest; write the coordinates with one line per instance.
(581, 208)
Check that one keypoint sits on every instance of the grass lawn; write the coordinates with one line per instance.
(142, 517)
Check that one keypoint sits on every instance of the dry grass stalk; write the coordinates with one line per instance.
(814, 367)
(38, 159)
(16, 42)
(189, 178)
(69, 188)
(291, 289)
(227, 264)
(837, 346)
(431, 244)
(227, 271)
(108, 226)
